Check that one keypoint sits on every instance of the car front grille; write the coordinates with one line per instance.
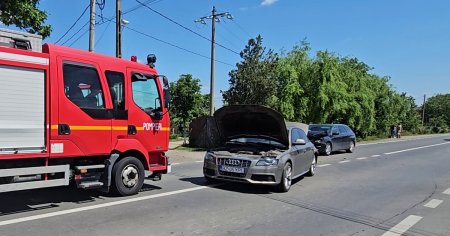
(234, 163)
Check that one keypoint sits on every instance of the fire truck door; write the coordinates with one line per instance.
(146, 102)
(84, 115)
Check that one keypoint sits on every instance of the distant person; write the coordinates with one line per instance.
(392, 131)
(399, 130)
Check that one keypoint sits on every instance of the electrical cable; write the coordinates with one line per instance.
(82, 14)
(186, 28)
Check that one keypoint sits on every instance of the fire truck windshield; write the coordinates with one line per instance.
(145, 92)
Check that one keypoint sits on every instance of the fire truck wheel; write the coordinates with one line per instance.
(128, 176)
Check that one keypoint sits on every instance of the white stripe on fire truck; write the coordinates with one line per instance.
(23, 58)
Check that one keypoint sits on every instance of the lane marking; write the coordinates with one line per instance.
(416, 148)
(176, 163)
(344, 161)
(403, 226)
(433, 203)
(103, 205)
(198, 161)
(375, 156)
(446, 191)
(323, 165)
(361, 158)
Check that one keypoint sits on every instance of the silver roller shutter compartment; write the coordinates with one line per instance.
(22, 109)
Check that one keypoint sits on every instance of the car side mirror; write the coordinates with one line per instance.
(299, 142)
(166, 91)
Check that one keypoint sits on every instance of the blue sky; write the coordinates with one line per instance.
(408, 40)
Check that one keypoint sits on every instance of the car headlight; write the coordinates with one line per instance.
(267, 161)
(209, 157)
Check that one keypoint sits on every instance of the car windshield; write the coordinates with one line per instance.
(318, 128)
(257, 141)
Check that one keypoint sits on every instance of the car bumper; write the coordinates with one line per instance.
(264, 175)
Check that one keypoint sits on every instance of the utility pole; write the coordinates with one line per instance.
(423, 109)
(92, 27)
(118, 30)
(214, 17)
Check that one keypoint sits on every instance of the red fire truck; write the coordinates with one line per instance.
(72, 116)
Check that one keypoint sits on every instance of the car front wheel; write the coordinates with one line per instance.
(286, 178)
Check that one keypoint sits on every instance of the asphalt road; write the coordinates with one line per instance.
(388, 188)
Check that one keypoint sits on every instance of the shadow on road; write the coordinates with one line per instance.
(447, 139)
(39, 199)
(236, 186)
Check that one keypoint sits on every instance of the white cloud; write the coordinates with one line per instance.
(268, 2)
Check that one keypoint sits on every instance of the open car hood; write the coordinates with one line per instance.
(314, 135)
(251, 121)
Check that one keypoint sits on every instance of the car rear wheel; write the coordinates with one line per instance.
(328, 149)
(312, 168)
(286, 178)
(351, 148)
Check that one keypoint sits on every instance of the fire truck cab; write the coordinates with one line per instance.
(68, 115)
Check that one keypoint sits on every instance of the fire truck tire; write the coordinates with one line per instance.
(128, 176)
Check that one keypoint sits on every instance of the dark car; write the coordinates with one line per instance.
(332, 137)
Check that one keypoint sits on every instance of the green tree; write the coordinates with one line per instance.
(25, 15)
(438, 107)
(187, 101)
(253, 81)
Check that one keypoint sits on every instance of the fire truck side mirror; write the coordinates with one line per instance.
(166, 90)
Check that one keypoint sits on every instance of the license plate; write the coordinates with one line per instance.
(232, 169)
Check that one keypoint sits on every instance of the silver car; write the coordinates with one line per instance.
(257, 146)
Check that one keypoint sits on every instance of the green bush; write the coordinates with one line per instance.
(173, 136)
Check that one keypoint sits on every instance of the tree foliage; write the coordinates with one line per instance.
(187, 101)
(326, 88)
(25, 15)
(253, 82)
(437, 111)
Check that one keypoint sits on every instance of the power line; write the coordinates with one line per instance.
(186, 28)
(107, 20)
(176, 46)
(82, 14)
(82, 27)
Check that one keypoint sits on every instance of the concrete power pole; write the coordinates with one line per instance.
(423, 109)
(214, 17)
(118, 30)
(92, 27)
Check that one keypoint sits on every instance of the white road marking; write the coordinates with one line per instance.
(344, 161)
(198, 161)
(403, 226)
(411, 149)
(323, 165)
(401, 140)
(361, 158)
(375, 155)
(447, 191)
(176, 163)
(433, 203)
(103, 205)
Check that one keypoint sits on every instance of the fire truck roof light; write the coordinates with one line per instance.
(134, 58)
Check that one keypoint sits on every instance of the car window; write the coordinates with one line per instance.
(342, 130)
(295, 134)
(335, 129)
(303, 135)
